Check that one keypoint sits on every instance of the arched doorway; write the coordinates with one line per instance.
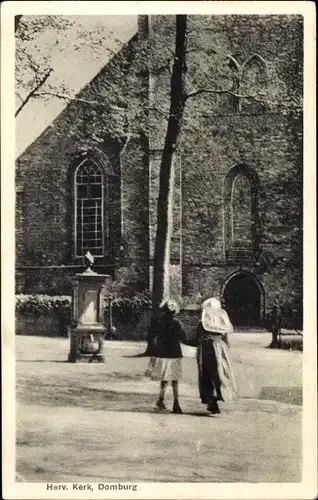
(243, 298)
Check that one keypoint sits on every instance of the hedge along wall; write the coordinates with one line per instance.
(46, 326)
(50, 325)
(50, 316)
(42, 315)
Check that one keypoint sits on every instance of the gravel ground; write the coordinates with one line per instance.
(96, 422)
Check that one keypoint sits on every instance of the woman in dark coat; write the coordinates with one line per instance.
(216, 378)
(166, 332)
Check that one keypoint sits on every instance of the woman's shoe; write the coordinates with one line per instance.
(160, 404)
(176, 408)
(213, 408)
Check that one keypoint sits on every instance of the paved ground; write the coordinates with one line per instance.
(96, 422)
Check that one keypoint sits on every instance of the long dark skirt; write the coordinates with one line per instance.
(216, 378)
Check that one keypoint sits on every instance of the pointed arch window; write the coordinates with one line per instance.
(89, 214)
(241, 212)
(250, 77)
(241, 220)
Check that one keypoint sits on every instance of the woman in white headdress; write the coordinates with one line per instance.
(166, 333)
(216, 378)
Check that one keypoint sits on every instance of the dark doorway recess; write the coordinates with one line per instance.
(243, 301)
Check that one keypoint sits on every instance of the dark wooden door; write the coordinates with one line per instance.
(242, 299)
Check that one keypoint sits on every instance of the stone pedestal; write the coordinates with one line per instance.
(90, 293)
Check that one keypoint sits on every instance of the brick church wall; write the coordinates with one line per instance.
(215, 138)
(44, 176)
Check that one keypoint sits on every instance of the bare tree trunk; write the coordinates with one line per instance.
(34, 91)
(166, 182)
(161, 269)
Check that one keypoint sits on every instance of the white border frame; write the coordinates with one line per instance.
(307, 489)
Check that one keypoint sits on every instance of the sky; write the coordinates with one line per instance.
(75, 62)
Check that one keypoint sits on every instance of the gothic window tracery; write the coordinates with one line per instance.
(89, 209)
(249, 79)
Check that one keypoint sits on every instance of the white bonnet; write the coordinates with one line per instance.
(171, 304)
(214, 318)
(212, 303)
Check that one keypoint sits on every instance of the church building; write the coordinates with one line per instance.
(90, 181)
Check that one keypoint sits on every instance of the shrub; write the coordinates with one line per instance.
(38, 305)
(292, 315)
(125, 309)
(129, 309)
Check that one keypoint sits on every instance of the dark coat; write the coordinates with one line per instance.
(165, 334)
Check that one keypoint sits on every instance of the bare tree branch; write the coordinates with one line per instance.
(207, 51)
(34, 91)
(160, 69)
(222, 91)
(67, 98)
(159, 111)
(232, 61)
(19, 96)
(170, 50)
